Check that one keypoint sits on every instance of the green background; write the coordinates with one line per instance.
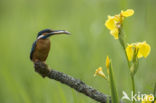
(78, 54)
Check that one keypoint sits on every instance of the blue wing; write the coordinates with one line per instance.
(33, 49)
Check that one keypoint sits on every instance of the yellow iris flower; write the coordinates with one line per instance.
(99, 72)
(107, 64)
(113, 23)
(142, 47)
(148, 99)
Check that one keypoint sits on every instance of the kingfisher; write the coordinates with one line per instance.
(41, 46)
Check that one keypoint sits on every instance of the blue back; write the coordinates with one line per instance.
(33, 49)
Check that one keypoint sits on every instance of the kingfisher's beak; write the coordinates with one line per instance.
(55, 32)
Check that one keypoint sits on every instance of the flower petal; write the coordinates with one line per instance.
(130, 51)
(117, 18)
(110, 23)
(100, 73)
(144, 49)
(128, 12)
(107, 62)
(115, 33)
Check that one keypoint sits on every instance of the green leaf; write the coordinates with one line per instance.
(155, 92)
(112, 85)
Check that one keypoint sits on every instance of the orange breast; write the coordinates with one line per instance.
(42, 50)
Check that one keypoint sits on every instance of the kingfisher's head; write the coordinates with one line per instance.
(48, 32)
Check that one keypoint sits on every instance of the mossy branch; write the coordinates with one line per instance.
(70, 81)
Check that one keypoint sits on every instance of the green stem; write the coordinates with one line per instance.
(132, 76)
(123, 46)
(122, 42)
(133, 86)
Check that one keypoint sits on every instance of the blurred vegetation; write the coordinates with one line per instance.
(79, 54)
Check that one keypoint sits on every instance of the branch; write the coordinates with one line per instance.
(76, 84)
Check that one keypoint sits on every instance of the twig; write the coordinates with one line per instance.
(76, 84)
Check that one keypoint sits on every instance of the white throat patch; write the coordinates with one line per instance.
(40, 36)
